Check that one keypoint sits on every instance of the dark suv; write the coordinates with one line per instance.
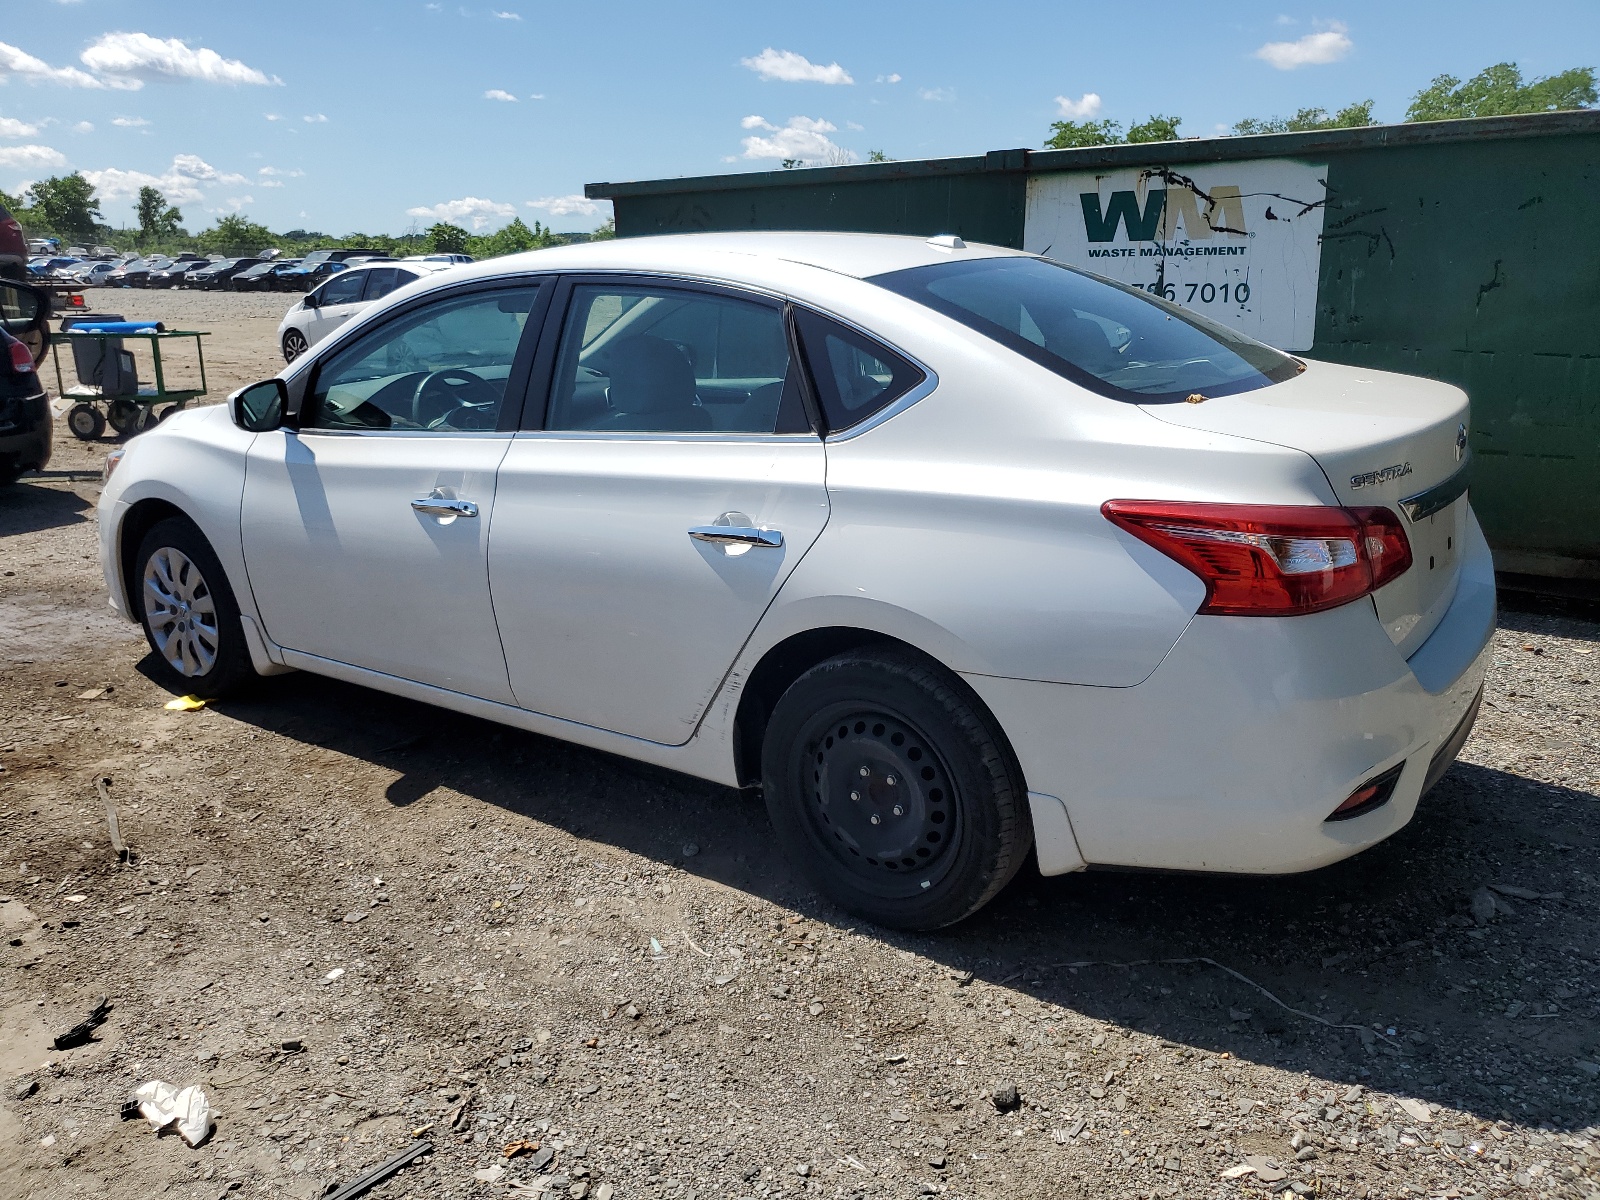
(24, 407)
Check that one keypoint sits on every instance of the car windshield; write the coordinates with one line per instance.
(1112, 339)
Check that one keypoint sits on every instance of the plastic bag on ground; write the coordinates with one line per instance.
(187, 1110)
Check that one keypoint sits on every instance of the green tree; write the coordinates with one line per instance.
(1155, 129)
(1499, 91)
(157, 218)
(1352, 116)
(606, 231)
(513, 239)
(66, 206)
(445, 238)
(1071, 135)
(234, 235)
(878, 156)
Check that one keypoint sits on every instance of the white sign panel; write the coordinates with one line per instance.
(1237, 242)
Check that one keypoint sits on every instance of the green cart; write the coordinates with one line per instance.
(107, 388)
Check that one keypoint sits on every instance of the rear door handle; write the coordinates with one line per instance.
(439, 506)
(735, 535)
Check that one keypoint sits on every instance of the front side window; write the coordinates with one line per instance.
(1114, 340)
(669, 360)
(442, 367)
(343, 289)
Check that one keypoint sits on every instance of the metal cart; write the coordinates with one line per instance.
(108, 389)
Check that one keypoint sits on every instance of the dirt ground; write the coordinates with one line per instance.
(356, 922)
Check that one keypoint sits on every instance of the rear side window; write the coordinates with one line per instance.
(1114, 340)
(379, 283)
(855, 376)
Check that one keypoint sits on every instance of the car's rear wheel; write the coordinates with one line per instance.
(294, 345)
(189, 613)
(893, 791)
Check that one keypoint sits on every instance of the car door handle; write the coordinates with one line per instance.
(735, 535)
(439, 506)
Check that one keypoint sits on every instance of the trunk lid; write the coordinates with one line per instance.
(1380, 438)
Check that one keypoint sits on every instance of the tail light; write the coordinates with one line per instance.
(1374, 793)
(21, 358)
(1271, 559)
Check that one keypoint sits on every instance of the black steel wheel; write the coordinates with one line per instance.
(85, 422)
(891, 787)
(294, 345)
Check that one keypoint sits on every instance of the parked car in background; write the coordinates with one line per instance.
(91, 274)
(13, 247)
(177, 275)
(45, 266)
(137, 273)
(215, 275)
(307, 275)
(444, 258)
(964, 556)
(253, 279)
(347, 294)
(24, 407)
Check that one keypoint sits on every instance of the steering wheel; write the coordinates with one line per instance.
(439, 395)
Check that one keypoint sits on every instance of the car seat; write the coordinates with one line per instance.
(652, 388)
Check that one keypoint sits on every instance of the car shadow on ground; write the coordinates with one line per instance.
(30, 507)
(1487, 1017)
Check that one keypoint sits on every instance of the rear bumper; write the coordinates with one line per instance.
(1235, 750)
(25, 437)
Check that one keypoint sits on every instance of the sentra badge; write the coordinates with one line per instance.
(1381, 475)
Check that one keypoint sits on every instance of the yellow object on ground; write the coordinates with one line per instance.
(186, 704)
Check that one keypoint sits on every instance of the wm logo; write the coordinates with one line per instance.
(1201, 215)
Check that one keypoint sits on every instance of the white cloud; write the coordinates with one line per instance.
(129, 122)
(536, 96)
(14, 61)
(1078, 110)
(294, 174)
(479, 211)
(193, 166)
(11, 127)
(181, 183)
(499, 94)
(273, 116)
(1325, 46)
(134, 57)
(315, 119)
(30, 157)
(892, 77)
(566, 206)
(83, 127)
(804, 138)
(789, 67)
(509, 16)
(269, 183)
(238, 202)
(936, 93)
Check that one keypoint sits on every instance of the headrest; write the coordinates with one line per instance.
(649, 374)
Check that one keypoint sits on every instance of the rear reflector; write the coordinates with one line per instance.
(1374, 793)
(1272, 559)
(21, 359)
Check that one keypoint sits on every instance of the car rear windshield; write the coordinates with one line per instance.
(1112, 339)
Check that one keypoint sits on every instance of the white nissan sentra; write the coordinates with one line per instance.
(953, 551)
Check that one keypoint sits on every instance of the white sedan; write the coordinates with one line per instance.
(345, 295)
(956, 553)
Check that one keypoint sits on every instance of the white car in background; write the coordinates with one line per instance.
(954, 551)
(333, 302)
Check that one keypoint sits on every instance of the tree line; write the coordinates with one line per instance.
(66, 207)
(1496, 91)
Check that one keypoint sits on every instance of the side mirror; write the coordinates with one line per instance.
(25, 314)
(312, 300)
(259, 408)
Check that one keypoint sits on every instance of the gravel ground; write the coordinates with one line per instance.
(356, 921)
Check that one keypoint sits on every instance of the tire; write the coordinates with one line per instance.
(10, 472)
(123, 415)
(294, 345)
(86, 422)
(893, 791)
(190, 617)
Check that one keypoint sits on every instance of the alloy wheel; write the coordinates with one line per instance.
(294, 345)
(181, 612)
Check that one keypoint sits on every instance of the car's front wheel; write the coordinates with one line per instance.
(294, 345)
(189, 613)
(893, 790)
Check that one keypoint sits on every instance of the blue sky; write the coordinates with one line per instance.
(348, 115)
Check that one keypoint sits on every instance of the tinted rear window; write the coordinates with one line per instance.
(1111, 339)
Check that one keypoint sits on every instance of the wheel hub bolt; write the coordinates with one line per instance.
(889, 780)
(899, 810)
(855, 796)
(866, 771)
(876, 819)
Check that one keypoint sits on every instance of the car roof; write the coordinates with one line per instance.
(859, 255)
